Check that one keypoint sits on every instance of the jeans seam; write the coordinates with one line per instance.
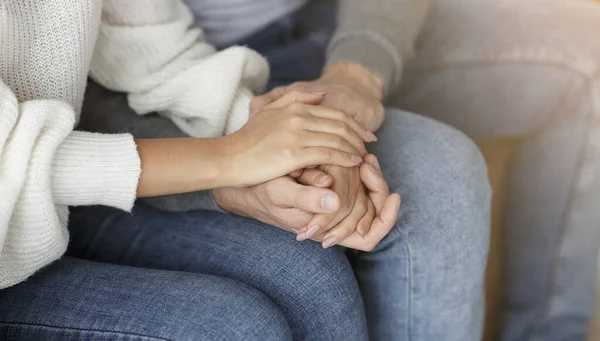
(403, 235)
(90, 330)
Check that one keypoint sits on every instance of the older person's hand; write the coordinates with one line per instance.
(349, 87)
(289, 205)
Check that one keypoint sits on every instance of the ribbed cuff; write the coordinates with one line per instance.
(96, 169)
(372, 52)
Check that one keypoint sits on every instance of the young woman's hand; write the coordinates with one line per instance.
(288, 135)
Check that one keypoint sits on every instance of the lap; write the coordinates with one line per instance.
(76, 299)
(314, 288)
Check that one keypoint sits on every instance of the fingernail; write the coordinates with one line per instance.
(329, 203)
(253, 112)
(312, 231)
(356, 159)
(322, 179)
(362, 230)
(374, 170)
(371, 136)
(376, 163)
(329, 241)
(320, 93)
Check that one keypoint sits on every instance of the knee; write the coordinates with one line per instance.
(432, 163)
(442, 177)
(237, 312)
(323, 296)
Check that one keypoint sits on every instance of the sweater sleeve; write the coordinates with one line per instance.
(107, 112)
(44, 166)
(149, 49)
(378, 34)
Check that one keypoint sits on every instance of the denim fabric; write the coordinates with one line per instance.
(484, 69)
(314, 288)
(80, 300)
(423, 282)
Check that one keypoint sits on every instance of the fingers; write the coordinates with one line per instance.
(316, 156)
(259, 102)
(373, 180)
(284, 98)
(304, 198)
(337, 115)
(364, 225)
(381, 226)
(297, 173)
(389, 212)
(349, 225)
(338, 132)
(316, 139)
(315, 177)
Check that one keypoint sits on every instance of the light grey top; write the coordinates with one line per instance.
(226, 21)
(378, 34)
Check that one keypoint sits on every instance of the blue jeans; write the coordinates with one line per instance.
(424, 281)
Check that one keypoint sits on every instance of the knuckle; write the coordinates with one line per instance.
(288, 152)
(328, 155)
(296, 121)
(336, 140)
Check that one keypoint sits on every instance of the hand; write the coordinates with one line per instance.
(288, 135)
(386, 209)
(356, 211)
(282, 202)
(290, 206)
(350, 88)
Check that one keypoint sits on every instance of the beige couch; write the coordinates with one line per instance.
(469, 47)
(497, 154)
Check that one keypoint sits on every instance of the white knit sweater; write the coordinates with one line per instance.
(143, 47)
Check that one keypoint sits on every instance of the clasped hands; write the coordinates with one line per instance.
(336, 205)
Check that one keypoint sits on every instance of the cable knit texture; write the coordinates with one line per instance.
(145, 48)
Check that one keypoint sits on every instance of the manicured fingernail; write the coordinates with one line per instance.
(356, 159)
(376, 163)
(371, 136)
(329, 241)
(312, 231)
(322, 179)
(329, 203)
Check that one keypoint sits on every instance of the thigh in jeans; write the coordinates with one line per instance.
(80, 300)
(314, 288)
(525, 69)
(424, 281)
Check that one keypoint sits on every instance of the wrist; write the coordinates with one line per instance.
(356, 74)
(225, 153)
